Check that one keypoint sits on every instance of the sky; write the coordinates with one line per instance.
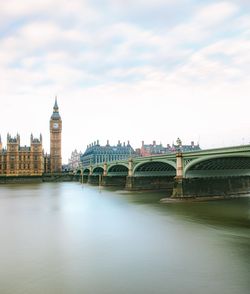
(126, 70)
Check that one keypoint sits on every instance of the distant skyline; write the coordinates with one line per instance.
(139, 70)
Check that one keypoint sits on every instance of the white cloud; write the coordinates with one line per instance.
(214, 14)
(131, 77)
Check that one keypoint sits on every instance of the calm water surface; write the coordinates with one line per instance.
(68, 238)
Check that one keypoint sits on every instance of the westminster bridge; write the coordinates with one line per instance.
(220, 171)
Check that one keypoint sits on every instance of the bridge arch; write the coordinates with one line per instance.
(86, 171)
(119, 169)
(155, 168)
(218, 166)
(98, 170)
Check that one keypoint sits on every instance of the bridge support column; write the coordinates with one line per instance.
(130, 167)
(129, 180)
(178, 188)
(179, 165)
(90, 174)
(105, 169)
(178, 181)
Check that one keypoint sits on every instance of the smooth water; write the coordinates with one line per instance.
(68, 238)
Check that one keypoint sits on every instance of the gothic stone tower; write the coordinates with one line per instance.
(55, 140)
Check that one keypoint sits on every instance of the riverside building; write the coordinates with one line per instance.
(17, 160)
(156, 149)
(95, 153)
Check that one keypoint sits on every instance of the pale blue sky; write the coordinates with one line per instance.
(126, 70)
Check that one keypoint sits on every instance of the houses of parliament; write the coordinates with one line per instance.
(17, 160)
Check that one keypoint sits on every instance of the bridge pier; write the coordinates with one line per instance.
(178, 180)
(178, 188)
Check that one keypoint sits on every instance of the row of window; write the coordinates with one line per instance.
(21, 158)
(102, 158)
(23, 166)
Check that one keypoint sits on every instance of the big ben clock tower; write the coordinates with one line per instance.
(55, 140)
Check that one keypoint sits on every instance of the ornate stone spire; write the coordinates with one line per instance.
(56, 106)
(55, 115)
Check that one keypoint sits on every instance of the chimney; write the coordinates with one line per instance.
(154, 143)
(142, 143)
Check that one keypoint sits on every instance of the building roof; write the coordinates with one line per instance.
(118, 149)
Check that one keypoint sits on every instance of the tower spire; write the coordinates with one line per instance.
(55, 114)
(56, 105)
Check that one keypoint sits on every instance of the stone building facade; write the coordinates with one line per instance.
(74, 160)
(17, 160)
(156, 149)
(95, 153)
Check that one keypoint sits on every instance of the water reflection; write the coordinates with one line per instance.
(65, 238)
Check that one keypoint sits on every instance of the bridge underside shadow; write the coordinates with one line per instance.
(116, 176)
(220, 167)
(152, 176)
(215, 177)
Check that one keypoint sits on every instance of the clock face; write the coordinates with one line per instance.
(55, 125)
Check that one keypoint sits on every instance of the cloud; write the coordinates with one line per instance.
(214, 14)
(130, 65)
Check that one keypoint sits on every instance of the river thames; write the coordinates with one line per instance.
(69, 238)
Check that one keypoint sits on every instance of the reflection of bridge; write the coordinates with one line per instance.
(191, 173)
